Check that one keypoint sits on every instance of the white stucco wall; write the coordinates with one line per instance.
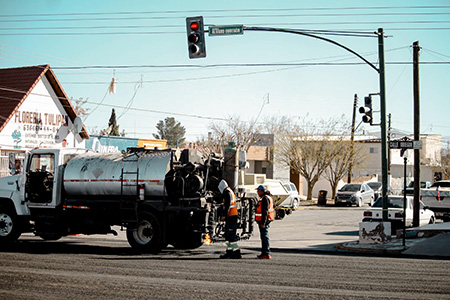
(40, 121)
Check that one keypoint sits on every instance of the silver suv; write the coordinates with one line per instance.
(354, 193)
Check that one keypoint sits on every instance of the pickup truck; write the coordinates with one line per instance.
(395, 212)
(437, 198)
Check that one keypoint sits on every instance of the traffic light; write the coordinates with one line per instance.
(196, 37)
(367, 110)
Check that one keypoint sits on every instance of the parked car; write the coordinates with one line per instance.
(395, 212)
(354, 193)
(294, 199)
(410, 187)
(377, 188)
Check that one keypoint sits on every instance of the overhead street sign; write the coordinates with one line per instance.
(226, 30)
(405, 144)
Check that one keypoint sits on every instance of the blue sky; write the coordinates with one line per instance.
(145, 40)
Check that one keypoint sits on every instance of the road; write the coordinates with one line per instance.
(105, 267)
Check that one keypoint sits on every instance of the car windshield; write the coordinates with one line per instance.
(392, 202)
(441, 184)
(351, 188)
(287, 187)
(411, 184)
(374, 185)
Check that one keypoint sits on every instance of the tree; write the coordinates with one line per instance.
(305, 147)
(171, 131)
(343, 156)
(243, 134)
(445, 162)
(113, 128)
(78, 107)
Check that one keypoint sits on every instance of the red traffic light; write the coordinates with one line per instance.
(194, 26)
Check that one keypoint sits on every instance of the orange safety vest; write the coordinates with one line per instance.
(232, 210)
(271, 215)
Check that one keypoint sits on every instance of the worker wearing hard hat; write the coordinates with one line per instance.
(265, 214)
(231, 221)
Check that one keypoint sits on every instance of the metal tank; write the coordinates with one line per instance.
(99, 174)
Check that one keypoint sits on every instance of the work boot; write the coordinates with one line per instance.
(236, 254)
(228, 254)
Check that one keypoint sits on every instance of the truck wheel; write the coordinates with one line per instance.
(10, 229)
(280, 214)
(295, 204)
(147, 236)
(432, 220)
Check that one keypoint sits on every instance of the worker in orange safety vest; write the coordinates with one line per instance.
(231, 221)
(265, 214)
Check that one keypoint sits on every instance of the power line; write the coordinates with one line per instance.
(260, 24)
(122, 107)
(231, 16)
(238, 10)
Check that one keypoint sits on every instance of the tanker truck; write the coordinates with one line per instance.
(160, 197)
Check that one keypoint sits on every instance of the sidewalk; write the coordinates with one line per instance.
(432, 240)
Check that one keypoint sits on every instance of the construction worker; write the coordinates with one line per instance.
(231, 221)
(265, 213)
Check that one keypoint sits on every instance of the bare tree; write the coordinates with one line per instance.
(243, 134)
(78, 106)
(445, 162)
(343, 156)
(305, 146)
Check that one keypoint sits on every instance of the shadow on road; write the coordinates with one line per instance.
(345, 233)
(121, 252)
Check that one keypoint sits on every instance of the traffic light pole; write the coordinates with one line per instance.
(384, 150)
(381, 72)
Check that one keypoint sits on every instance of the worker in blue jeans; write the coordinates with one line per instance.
(265, 214)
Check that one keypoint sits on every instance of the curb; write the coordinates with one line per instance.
(345, 247)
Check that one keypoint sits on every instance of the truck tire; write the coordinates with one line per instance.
(10, 227)
(147, 236)
(280, 214)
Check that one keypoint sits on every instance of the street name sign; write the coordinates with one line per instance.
(405, 144)
(226, 30)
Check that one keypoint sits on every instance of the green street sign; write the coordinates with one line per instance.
(226, 30)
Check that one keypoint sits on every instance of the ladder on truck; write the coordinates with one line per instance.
(129, 180)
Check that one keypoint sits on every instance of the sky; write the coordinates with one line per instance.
(143, 45)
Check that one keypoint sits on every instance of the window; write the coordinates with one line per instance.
(42, 163)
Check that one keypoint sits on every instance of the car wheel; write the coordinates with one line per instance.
(295, 204)
(359, 203)
(432, 220)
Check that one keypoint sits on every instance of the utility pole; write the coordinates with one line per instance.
(416, 206)
(384, 168)
(352, 138)
(389, 139)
